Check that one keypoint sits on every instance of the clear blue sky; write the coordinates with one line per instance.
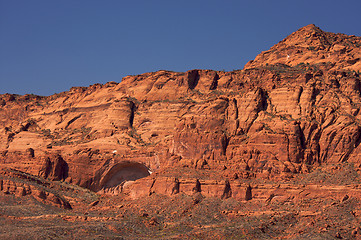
(48, 46)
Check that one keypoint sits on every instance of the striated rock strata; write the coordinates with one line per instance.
(294, 108)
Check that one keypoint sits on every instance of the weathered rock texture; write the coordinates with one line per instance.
(294, 108)
(21, 184)
(312, 45)
(270, 151)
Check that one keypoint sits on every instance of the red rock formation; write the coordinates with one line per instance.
(54, 168)
(269, 142)
(312, 45)
(293, 108)
(21, 188)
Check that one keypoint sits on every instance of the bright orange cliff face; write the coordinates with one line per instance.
(284, 129)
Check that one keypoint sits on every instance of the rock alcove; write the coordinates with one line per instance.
(122, 174)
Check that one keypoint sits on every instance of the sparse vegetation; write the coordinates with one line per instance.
(228, 161)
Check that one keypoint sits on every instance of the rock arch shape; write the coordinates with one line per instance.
(122, 172)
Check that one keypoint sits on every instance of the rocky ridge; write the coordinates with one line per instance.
(294, 110)
(313, 46)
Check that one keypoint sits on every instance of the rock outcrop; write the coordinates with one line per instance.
(270, 151)
(21, 184)
(313, 46)
(54, 168)
(294, 108)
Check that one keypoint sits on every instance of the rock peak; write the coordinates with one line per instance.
(305, 33)
(310, 44)
(310, 27)
(173, 147)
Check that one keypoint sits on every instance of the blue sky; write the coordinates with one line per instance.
(49, 46)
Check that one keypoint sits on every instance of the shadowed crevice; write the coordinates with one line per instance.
(132, 112)
(214, 84)
(193, 78)
(227, 192)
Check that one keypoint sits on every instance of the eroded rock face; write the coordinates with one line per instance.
(312, 45)
(295, 107)
(24, 188)
(112, 177)
(54, 168)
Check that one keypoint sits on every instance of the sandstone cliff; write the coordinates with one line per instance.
(270, 151)
(294, 108)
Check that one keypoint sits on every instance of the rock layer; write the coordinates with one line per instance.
(294, 108)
